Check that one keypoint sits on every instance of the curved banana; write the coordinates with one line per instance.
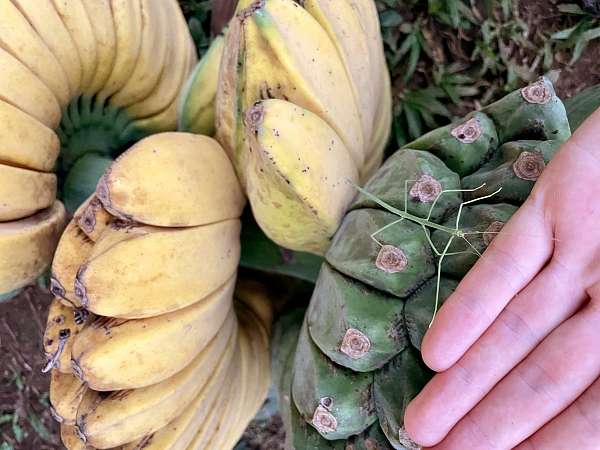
(20, 39)
(21, 88)
(77, 22)
(72, 251)
(27, 245)
(125, 416)
(126, 282)
(161, 346)
(176, 62)
(24, 191)
(48, 24)
(299, 176)
(38, 151)
(63, 324)
(70, 438)
(343, 25)
(144, 181)
(103, 26)
(66, 393)
(127, 19)
(150, 62)
(196, 111)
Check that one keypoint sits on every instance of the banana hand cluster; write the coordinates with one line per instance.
(301, 118)
(146, 345)
(84, 76)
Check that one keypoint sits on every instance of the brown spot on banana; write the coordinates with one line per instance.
(80, 291)
(254, 117)
(247, 12)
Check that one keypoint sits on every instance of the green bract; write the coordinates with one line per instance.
(413, 232)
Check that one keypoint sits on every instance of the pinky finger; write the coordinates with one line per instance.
(578, 427)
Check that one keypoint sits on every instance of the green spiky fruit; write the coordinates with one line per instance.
(401, 250)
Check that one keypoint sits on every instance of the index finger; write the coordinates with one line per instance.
(511, 261)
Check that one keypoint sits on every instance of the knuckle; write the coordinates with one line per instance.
(538, 381)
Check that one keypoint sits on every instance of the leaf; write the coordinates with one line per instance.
(563, 34)
(414, 122)
(6, 446)
(6, 418)
(18, 432)
(571, 8)
(390, 18)
(413, 59)
(39, 428)
(260, 253)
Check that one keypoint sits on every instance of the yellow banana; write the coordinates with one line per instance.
(307, 72)
(255, 296)
(114, 354)
(103, 26)
(172, 180)
(176, 67)
(92, 218)
(24, 191)
(70, 438)
(127, 19)
(298, 177)
(383, 125)
(153, 52)
(27, 245)
(196, 111)
(66, 393)
(125, 416)
(48, 24)
(75, 18)
(73, 250)
(19, 38)
(63, 324)
(26, 142)
(343, 25)
(21, 88)
(125, 281)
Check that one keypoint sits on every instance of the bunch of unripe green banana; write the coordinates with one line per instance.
(87, 77)
(303, 108)
(149, 342)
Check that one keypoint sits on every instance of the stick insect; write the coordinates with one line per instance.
(454, 232)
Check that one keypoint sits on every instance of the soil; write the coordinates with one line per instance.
(23, 388)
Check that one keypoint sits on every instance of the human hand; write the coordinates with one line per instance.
(518, 343)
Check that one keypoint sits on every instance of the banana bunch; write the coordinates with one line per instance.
(77, 78)
(299, 117)
(149, 343)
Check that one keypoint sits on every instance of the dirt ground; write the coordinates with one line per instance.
(25, 420)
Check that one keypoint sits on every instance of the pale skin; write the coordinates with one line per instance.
(517, 346)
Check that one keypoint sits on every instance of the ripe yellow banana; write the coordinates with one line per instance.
(20, 39)
(127, 19)
(73, 250)
(26, 142)
(153, 52)
(176, 67)
(343, 25)
(298, 176)
(63, 324)
(114, 354)
(255, 296)
(70, 438)
(24, 191)
(77, 22)
(27, 246)
(172, 180)
(308, 72)
(103, 26)
(383, 125)
(21, 88)
(66, 393)
(196, 111)
(48, 24)
(133, 278)
(125, 416)
(92, 218)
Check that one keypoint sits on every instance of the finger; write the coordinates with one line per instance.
(511, 261)
(578, 427)
(518, 330)
(537, 390)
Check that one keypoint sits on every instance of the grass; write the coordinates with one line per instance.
(448, 57)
